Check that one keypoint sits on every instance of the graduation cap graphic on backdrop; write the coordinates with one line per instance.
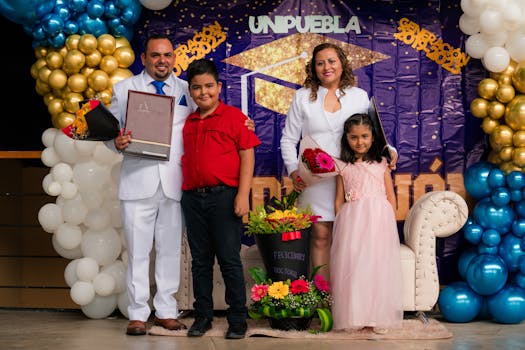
(93, 122)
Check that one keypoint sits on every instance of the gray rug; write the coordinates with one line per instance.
(413, 329)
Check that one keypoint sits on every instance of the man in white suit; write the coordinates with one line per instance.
(150, 193)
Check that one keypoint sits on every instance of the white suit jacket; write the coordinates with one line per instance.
(140, 177)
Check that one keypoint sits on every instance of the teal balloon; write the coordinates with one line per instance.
(519, 279)
(24, 11)
(472, 232)
(459, 303)
(476, 179)
(501, 196)
(510, 250)
(519, 208)
(486, 249)
(464, 260)
(516, 180)
(489, 215)
(487, 274)
(508, 305)
(497, 178)
(491, 237)
(518, 227)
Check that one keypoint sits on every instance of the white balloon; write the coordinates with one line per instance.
(496, 59)
(468, 24)
(46, 181)
(476, 45)
(155, 4)
(93, 199)
(75, 253)
(104, 284)
(113, 207)
(472, 7)
(48, 136)
(68, 236)
(512, 17)
(65, 148)
(54, 188)
(103, 246)
(85, 148)
(491, 21)
(50, 217)
(62, 172)
(49, 157)
(87, 269)
(497, 39)
(98, 219)
(90, 176)
(123, 303)
(118, 271)
(70, 273)
(104, 155)
(100, 307)
(516, 46)
(69, 190)
(74, 211)
(82, 293)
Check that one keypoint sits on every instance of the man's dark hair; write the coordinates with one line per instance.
(155, 36)
(202, 66)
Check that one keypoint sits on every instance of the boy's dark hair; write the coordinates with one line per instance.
(347, 154)
(202, 66)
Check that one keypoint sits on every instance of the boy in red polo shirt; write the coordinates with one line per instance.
(217, 168)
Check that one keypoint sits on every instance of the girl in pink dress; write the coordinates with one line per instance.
(365, 265)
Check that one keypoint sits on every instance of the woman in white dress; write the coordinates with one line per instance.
(319, 109)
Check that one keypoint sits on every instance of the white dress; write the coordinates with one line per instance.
(309, 118)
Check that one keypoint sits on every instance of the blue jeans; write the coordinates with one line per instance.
(214, 230)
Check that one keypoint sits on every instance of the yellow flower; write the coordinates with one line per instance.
(278, 290)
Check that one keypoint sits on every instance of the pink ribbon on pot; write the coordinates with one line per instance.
(290, 236)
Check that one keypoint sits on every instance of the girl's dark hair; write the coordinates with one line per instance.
(202, 66)
(313, 82)
(347, 154)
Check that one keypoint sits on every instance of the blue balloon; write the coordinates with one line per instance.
(110, 10)
(459, 303)
(63, 12)
(510, 251)
(508, 305)
(485, 249)
(472, 232)
(464, 260)
(518, 227)
(519, 279)
(519, 208)
(52, 24)
(484, 313)
(516, 195)
(491, 237)
(58, 40)
(476, 179)
(489, 215)
(71, 27)
(77, 5)
(501, 196)
(516, 180)
(23, 11)
(95, 9)
(487, 274)
(521, 260)
(497, 178)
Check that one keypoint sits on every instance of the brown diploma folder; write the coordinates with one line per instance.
(149, 118)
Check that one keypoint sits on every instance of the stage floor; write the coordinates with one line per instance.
(61, 330)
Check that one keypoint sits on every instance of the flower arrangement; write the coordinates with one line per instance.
(279, 216)
(285, 299)
(316, 164)
(317, 161)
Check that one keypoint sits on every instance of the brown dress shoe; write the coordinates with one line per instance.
(136, 327)
(170, 323)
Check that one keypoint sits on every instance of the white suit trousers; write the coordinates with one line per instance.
(155, 220)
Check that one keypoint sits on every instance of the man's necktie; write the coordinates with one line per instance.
(158, 86)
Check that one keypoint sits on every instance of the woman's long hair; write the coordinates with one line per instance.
(347, 154)
(313, 82)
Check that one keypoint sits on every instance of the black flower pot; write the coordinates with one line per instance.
(285, 259)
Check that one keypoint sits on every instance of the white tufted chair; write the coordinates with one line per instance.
(435, 214)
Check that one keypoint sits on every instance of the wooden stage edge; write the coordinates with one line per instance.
(20, 154)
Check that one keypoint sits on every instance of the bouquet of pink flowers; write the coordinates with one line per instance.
(315, 163)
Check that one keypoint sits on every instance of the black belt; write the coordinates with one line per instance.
(210, 189)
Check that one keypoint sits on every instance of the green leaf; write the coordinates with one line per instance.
(258, 274)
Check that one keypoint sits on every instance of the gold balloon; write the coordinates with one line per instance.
(54, 60)
(508, 167)
(479, 107)
(62, 120)
(74, 61)
(41, 87)
(71, 102)
(496, 109)
(105, 96)
(106, 44)
(57, 79)
(90, 93)
(55, 106)
(48, 98)
(63, 51)
(494, 158)
(518, 140)
(505, 93)
(515, 113)
(98, 80)
(488, 125)
(77, 82)
(93, 59)
(41, 62)
(518, 77)
(506, 153)
(518, 156)
(502, 136)
(108, 64)
(121, 41)
(118, 75)
(87, 43)
(72, 41)
(505, 74)
(487, 88)
(87, 70)
(41, 52)
(43, 74)
(125, 56)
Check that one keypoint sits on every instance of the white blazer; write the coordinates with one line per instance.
(140, 177)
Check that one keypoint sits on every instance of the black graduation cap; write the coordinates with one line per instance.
(93, 122)
(380, 132)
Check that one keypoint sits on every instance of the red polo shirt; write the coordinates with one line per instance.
(211, 147)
